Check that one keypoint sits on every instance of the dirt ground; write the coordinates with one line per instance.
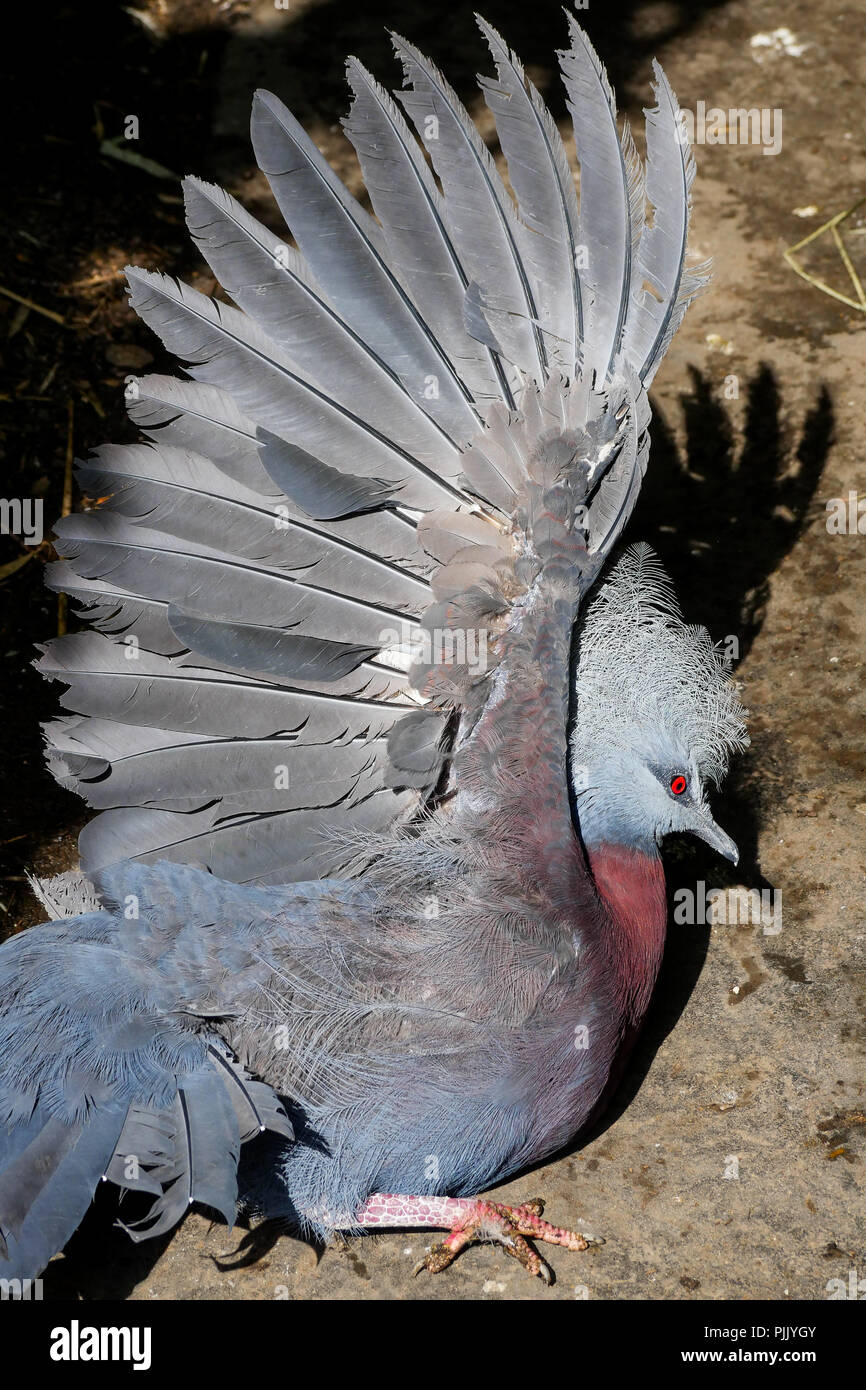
(731, 1164)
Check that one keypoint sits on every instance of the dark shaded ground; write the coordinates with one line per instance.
(753, 1050)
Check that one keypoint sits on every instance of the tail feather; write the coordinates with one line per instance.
(47, 1187)
(110, 1070)
(199, 1160)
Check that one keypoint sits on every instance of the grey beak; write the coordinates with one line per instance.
(706, 829)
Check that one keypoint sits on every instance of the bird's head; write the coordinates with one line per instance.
(656, 716)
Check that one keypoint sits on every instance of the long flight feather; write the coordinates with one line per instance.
(611, 199)
(224, 347)
(349, 264)
(191, 414)
(546, 198)
(480, 214)
(411, 209)
(655, 317)
(271, 283)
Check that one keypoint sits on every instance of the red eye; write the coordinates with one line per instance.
(678, 785)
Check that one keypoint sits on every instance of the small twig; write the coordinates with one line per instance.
(6, 571)
(70, 457)
(831, 226)
(99, 277)
(843, 252)
(37, 308)
(47, 380)
(90, 398)
(62, 600)
(821, 284)
(118, 148)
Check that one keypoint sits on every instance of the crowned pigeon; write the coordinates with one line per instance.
(383, 727)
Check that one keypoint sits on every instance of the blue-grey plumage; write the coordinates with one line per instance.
(382, 735)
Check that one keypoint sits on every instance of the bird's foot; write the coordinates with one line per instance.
(468, 1219)
(510, 1227)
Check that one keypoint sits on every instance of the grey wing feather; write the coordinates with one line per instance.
(611, 200)
(255, 1105)
(191, 414)
(270, 281)
(153, 690)
(414, 220)
(348, 262)
(546, 197)
(501, 304)
(182, 772)
(654, 318)
(204, 420)
(253, 848)
(227, 349)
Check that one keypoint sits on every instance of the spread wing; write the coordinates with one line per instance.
(347, 559)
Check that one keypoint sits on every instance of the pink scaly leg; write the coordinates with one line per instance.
(471, 1219)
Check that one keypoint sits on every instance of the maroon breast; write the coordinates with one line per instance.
(631, 885)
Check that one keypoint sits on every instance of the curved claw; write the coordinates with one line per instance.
(434, 1261)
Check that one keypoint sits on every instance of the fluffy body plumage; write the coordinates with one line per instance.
(379, 808)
